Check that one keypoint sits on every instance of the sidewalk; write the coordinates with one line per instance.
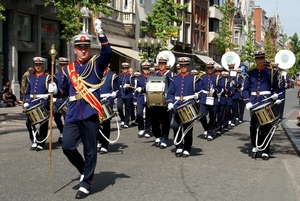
(12, 119)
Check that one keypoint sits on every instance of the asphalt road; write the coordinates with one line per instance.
(134, 169)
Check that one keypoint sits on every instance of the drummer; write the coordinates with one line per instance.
(259, 85)
(37, 93)
(108, 93)
(59, 102)
(185, 87)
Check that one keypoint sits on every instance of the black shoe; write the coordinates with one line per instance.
(81, 195)
(265, 156)
(39, 148)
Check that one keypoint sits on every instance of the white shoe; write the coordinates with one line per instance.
(99, 145)
(240, 122)
(229, 122)
(141, 133)
(209, 138)
(232, 125)
(254, 149)
(125, 126)
(185, 153)
(122, 123)
(39, 148)
(179, 152)
(147, 135)
(81, 178)
(33, 146)
(103, 150)
(157, 141)
(205, 135)
(163, 145)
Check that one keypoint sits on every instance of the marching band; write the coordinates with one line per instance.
(85, 92)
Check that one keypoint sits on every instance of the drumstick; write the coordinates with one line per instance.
(270, 97)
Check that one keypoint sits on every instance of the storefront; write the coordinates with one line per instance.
(1, 55)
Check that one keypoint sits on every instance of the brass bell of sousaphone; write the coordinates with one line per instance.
(228, 58)
(285, 59)
(169, 55)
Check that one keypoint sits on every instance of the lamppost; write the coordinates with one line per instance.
(148, 44)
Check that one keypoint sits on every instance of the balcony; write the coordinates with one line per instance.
(215, 12)
(211, 36)
(126, 18)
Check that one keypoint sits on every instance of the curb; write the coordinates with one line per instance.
(290, 134)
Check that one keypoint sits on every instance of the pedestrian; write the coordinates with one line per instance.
(37, 96)
(84, 113)
(185, 87)
(259, 85)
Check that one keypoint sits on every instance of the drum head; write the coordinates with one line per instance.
(261, 106)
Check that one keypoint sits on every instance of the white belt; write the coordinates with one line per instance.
(37, 95)
(205, 92)
(184, 97)
(105, 95)
(78, 96)
(258, 93)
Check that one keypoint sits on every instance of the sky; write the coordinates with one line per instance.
(289, 13)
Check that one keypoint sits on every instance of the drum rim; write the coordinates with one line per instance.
(262, 106)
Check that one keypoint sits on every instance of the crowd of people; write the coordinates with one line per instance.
(156, 99)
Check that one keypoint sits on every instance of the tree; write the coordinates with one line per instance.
(295, 48)
(224, 40)
(269, 49)
(249, 47)
(68, 11)
(2, 17)
(163, 22)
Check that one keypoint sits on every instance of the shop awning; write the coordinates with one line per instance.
(204, 58)
(126, 52)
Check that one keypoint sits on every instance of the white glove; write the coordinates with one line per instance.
(126, 86)
(54, 100)
(277, 102)
(139, 89)
(45, 96)
(26, 105)
(135, 103)
(196, 96)
(242, 88)
(212, 91)
(274, 96)
(98, 27)
(52, 88)
(113, 94)
(170, 106)
(249, 106)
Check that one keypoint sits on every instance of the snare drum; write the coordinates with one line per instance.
(187, 112)
(63, 108)
(265, 114)
(108, 112)
(155, 91)
(37, 114)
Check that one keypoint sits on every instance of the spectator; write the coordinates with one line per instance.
(6, 85)
(24, 81)
(10, 99)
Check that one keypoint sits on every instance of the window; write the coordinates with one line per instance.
(236, 37)
(113, 3)
(186, 35)
(202, 41)
(142, 33)
(142, 2)
(196, 36)
(153, 2)
(24, 27)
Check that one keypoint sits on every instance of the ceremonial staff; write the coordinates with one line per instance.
(53, 54)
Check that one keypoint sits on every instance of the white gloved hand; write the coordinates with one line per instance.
(274, 96)
(135, 103)
(139, 89)
(126, 85)
(170, 106)
(212, 91)
(52, 88)
(196, 96)
(277, 102)
(54, 100)
(45, 96)
(26, 105)
(249, 106)
(242, 88)
(113, 94)
(98, 27)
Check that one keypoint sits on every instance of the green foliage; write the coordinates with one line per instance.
(68, 12)
(295, 48)
(269, 48)
(163, 22)
(224, 40)
(249, 47)
(2, 17)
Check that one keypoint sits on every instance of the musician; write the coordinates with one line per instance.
(108, 92)
(185, 87)
(144, 128)
(178, 69)
(37, 93)
(161, 116)
(259, 85)
(58, 102)
(194, 72)
(209, 100)
(241, 104)
(229, 93)
(84, 112)
(125, 94)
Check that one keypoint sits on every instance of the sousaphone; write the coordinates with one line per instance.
(230, 57)
(169, 55)
(285, 59)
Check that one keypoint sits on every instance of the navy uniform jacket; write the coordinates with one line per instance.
(125, 78)
(226, 94)
(205, 87)
(237, 86)
(184, 86)
(79, 110)
(257, 85)
(37, 85)
(60, 77)
(142, 81)
(110, 84)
